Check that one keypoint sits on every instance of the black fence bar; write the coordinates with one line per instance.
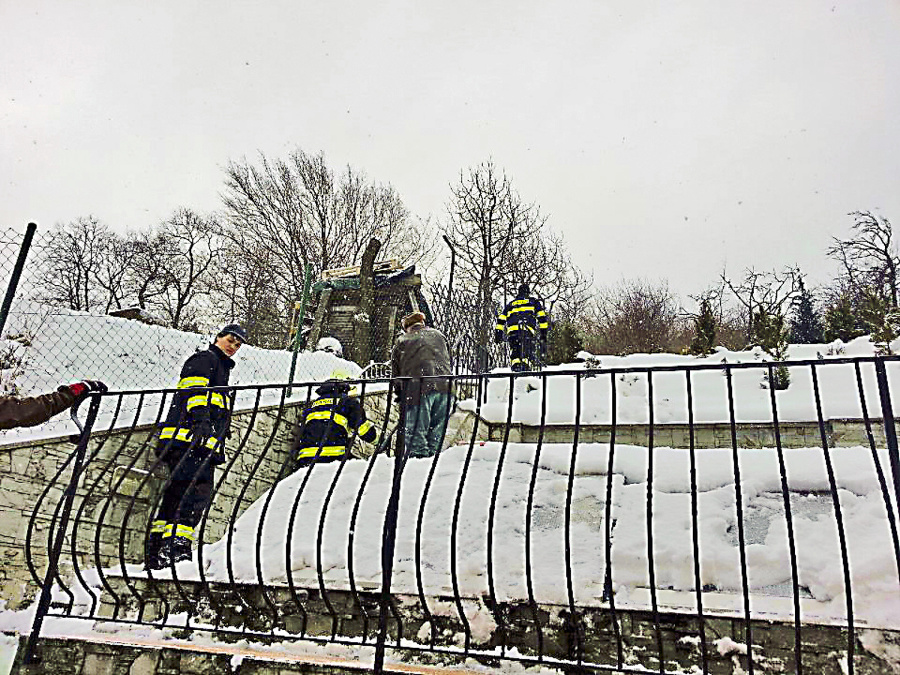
(789, 523)
(528, 476)
(68, 499)
(13, 284)
(890, 428)
(739, 512)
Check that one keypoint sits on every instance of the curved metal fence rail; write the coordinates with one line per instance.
(581, 552)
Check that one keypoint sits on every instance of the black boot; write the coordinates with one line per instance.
(153, 545)
(174, 550)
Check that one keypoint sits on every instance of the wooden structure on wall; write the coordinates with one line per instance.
(339, 309)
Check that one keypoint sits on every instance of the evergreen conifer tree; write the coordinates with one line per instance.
(563, 343)
(704, 340)
(881, 319)
(771, 333)
(806, 328)
(841, 320)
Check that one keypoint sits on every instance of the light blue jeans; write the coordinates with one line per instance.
(426, 424)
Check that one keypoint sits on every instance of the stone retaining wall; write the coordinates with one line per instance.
(592, 634)
(838, 433)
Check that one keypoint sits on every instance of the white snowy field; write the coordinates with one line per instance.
(874, 578)
(838, 389)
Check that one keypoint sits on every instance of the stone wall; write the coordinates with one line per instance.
(838, 433)
(437, 635)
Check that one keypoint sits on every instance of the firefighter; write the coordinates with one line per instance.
(524, 323)
(191, 444)
(330, 423)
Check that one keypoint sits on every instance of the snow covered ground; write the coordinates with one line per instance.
(837, 386)
(875, 585)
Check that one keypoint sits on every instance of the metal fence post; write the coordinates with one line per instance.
(389, 540)
(448, 305)
(890, 430)
(306, 278)
(53, 561)
(17, 273)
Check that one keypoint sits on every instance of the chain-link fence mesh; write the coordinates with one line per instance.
(46, 342)
(67, 323)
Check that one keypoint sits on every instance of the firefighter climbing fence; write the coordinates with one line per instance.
(634, 519)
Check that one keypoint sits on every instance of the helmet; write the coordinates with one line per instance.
(330, 345)
(333, 385)
(234, 329)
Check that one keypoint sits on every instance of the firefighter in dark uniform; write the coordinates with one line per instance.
(191, 443)
(524, 322)
(330, 423)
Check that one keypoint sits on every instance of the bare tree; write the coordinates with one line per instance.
(766, 292)
(869, 257)
(117, 267)
(285, 215)
(635, 316)
(190, 246)
(147, 280)
(72, 261)
(502, 241)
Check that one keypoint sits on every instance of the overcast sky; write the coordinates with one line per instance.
(664, 140)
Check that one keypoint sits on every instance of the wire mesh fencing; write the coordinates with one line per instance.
(61, 327)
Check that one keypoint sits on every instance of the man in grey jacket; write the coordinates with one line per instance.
(422, 351)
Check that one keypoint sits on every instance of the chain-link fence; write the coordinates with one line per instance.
(69, 320)
(46, 341)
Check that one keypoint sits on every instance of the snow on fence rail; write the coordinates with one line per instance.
(796, 536)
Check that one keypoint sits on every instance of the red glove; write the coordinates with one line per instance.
(80, 390)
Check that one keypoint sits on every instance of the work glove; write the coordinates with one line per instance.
(81, 390)
(498, 336)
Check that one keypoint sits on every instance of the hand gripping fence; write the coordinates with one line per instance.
(647, 520)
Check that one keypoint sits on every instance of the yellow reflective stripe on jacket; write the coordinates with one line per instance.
(330, 416)
(158, 527)
(185, 435)
(529, 308)
(185, 531)
(179, 530)
(325, 451)
(194, 381)
(510, 329)
(204, 399)
(364, 427)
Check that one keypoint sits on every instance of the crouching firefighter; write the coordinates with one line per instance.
(191, 443)
(330, 424)
(525, 323)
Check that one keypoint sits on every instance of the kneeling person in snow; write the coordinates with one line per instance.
(191, 443)
(330, 424)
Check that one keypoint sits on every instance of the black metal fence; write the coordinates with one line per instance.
(607, 520)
